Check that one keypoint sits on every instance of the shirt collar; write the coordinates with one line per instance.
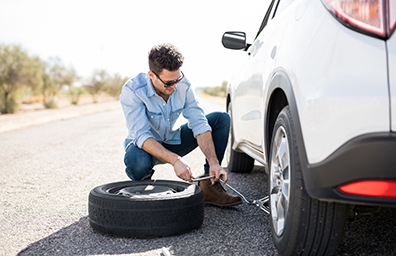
(150, 88)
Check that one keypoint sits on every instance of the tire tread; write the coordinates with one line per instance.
(316, 226)
(119, 216)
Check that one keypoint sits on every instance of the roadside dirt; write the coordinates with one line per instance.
(62, 102)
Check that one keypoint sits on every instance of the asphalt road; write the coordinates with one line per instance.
(47, 171)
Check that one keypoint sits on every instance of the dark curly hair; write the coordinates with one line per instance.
(165, 56)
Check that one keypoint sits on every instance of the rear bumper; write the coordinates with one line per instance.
(367, 157)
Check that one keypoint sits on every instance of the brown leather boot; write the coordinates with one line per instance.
(216, 194)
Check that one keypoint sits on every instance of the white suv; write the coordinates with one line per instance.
(314, 101)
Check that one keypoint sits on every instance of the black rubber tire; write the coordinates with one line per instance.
(237, 162)
(122, 216)
(311, 227)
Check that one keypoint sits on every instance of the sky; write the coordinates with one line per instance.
(117, 35)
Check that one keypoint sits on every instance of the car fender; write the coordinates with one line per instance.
(279, 85)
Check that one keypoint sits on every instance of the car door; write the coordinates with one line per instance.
(245, 112)
(260, 66)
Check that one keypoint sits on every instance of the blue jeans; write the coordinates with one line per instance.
(139, 163)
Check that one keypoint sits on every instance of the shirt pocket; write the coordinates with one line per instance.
(175, 120)
(154, 120)
(175, 115)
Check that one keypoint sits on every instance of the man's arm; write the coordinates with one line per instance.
(205, 143)
(154, 148)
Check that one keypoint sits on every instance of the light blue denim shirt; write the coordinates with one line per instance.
(149, 116)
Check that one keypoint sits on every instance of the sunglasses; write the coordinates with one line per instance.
(170, 83)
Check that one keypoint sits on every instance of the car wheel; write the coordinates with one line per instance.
(150, 208)
(299, 224)
(236, 161)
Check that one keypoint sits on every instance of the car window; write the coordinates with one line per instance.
(275, 7)
(266, 17)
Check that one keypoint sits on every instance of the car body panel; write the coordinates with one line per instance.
(391, 46)
(333, 71)
(366, 157)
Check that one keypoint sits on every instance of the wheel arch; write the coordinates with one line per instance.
(276, 103)
(280, 93)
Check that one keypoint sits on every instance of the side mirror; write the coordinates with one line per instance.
(234, 40)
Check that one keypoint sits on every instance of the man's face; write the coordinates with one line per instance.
(167, 77)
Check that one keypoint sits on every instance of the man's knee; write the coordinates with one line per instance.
(219, 119)
(225, 117)
(134, 174)
(138, 164)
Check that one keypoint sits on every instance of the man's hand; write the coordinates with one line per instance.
(205, 142)
(218, 172)
(183, 169)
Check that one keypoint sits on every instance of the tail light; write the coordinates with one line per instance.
(373, 17)
(376, 188)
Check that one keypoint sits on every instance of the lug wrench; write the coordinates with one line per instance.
(261, 203)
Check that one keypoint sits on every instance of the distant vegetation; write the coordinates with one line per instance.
(219, 91)
(28, 78)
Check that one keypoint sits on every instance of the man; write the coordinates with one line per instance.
(152, 102)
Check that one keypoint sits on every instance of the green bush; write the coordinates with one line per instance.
(50, 104)
(75, 93)
(8, 105)
(219, 91)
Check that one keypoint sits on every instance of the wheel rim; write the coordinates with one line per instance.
(144, 191)
(280, 180)
(149, 190)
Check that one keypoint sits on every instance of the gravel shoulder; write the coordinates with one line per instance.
(35, 114)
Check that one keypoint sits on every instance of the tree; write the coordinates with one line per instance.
(56, 77)
(70, 77)
(115, 84)
(33, 81)
(75, 93)
(17, 70)
(99, 81)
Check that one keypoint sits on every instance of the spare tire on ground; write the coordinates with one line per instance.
(142, 209)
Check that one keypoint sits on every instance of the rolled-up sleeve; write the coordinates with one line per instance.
(135, 115)
(194, 114)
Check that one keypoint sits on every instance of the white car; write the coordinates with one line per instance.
(314, 101)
